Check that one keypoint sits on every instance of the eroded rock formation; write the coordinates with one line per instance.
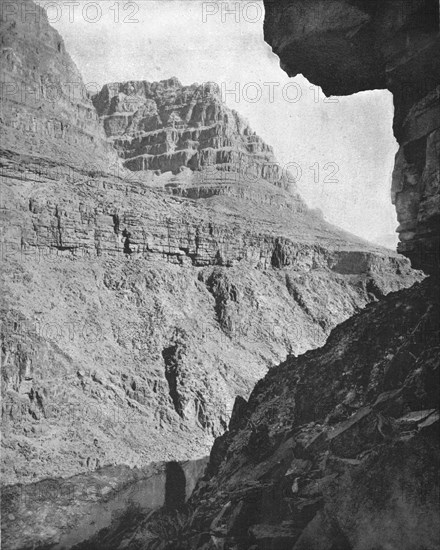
(156, 309)
(347, 46)
(338, 448)
(165, 126)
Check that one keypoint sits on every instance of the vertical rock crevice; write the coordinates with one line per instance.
(171, 356)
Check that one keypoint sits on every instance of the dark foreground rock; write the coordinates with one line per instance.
(335, 449)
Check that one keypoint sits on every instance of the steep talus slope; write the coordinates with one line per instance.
(133, 318)
(335, 449)
(338, 448)
(347, 46)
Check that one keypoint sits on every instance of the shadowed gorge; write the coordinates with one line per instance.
(168, 294)
(174, 486)
(338, 448)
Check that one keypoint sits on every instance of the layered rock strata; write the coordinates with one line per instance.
(133, 315)
(338, 448)
(133, 318)
(165, 126)
(121, 300)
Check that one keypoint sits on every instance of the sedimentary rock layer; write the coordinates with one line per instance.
(134, 314)
(123, 300)
(165, 126)
(139, 300)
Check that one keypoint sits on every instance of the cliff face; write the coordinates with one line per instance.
(338, 448)
(158, 308)
(43, 95)
(165, 126)
(347, 46)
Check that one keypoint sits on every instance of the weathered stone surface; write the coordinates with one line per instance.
(117, 352)
(347, 46)
(165, 126)
(343, 441)
(157, 309)
(336, 448)
(46, 108)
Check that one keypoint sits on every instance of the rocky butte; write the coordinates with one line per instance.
(158, 263)
(165, 126)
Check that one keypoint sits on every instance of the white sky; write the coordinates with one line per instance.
(153, 40)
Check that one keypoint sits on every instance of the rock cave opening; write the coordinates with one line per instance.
(330, 447)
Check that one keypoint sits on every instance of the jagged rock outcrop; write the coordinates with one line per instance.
(347, 46)
(337, 448)
(165, 126)
(132, 318)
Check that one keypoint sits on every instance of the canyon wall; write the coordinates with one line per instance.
(123, 294)
(46, 108)
(138, 305)
(338, 448)
(132, 318)
(346, 46)
(123, 300)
